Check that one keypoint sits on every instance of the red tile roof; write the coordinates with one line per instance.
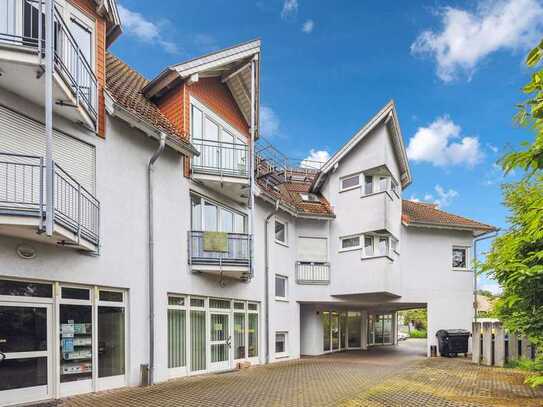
(428, 214)
(125, 85)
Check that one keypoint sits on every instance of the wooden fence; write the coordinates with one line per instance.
(496, 346)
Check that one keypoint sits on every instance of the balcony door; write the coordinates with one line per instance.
(25, 352)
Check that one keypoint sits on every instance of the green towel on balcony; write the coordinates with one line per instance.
(215, 242)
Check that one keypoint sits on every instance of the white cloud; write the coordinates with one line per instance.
(467, 37)
(308, 26)
(439, 197)
(144, 30)
(290, 9)
(269, 122)
(435, 144)
(493, 287)
(315, 159)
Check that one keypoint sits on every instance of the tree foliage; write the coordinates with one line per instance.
(516, 257)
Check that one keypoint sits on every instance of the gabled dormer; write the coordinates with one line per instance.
(83, 31)
(213, 100)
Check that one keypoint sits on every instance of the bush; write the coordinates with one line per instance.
(416, 333)
(533, 366)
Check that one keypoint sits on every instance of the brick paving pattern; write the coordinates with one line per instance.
(382, 377)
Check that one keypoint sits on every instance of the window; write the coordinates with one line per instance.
(350, 182)
(280, 232)
(368, 184)
(382, 247)
(281, 345)
(25, 289)
(281, 287)
(111, 296)
(312, 249)
(83, 37)
(350, 243)
(368, 246)
(395, 187)
(394, 245)
(209, 217)
(309, 197)
(460, 258)
(75, 293)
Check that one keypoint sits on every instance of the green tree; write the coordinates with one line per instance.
(516, 257)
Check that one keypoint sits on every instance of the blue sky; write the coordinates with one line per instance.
(454, 69)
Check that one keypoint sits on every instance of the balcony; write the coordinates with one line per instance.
(22, 51)
(23, 208)
(225, 254)
(223, 167)
(312, 273)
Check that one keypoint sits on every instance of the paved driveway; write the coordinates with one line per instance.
(399, 376)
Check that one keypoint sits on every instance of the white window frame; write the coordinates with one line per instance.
(219, 206)
(285, 225)
(376, 182)
(348, 249)
(70, 11)
(468, 258)
(285, 280)
(375, 241)
(284, 354)
(341, 189)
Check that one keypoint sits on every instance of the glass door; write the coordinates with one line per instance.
(354, 329)
(220, 341)
(334, 327)
(25, 346)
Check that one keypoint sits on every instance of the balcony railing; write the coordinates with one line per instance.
(312, 273)
(22, 23)
(22, 192)
(220, 158)
(236, 253)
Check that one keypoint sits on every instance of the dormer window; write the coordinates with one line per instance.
(309, 197)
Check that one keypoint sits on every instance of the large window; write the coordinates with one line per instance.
(211, 217)
(376, 245)
(222, 149)
(380, 183)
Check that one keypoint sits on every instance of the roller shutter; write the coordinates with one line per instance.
(312, 249)
(22, 135)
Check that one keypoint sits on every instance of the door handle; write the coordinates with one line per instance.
(2, 356)
(229, 341)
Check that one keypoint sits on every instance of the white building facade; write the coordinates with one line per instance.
(212, 253)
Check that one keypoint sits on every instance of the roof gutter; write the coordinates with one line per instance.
(452, 227)
(117, 110)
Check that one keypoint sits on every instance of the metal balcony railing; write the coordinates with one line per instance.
(220, 158)
(312, 273)
(22, 23)
(22, 192)
(238, 250)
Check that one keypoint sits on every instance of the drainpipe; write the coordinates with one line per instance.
(267, 280)
(48, 118)
(479, 239)
(151, 256)
(251, 166)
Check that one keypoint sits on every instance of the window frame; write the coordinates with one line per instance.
(284, 354)
(376, 237)
(348, 249)
(285, 226)
(468, 258)
(285, 281)
(341, 179)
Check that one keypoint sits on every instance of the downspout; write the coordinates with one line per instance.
(49, 167)
(251, 166)
(475, 276)
(151, 256)
(267, 280)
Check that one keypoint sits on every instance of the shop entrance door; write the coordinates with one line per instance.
(25, 346)
(220, 341)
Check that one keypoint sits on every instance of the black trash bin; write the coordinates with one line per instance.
(451, 342)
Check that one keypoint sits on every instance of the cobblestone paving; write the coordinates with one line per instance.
(387, 377)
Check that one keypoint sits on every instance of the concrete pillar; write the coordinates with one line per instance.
(364, 324)
(525, 349)
(476, 343)
(512, 347)
(311, 334)
(487, 343)
(499, 345)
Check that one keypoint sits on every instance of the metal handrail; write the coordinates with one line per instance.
(238, 251)
(70, 61)
(312, 272)
(22, 186)
(221, 158)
